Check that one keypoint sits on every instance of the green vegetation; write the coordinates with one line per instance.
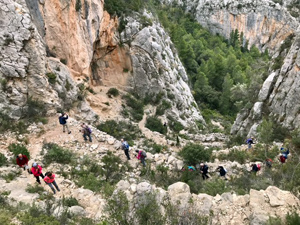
(215, 66)
(34, 189)
(51, 78)
(151, 146)
(194, 154)
(64, 61)
(113, 92)
(8, 177)
(17, 149)
(136, 110)
(174, 125)
(153, 123)
(57, 154)
(70, 201)
(120, 7)
(160, 110)
(96, 177)
(120, 129)
(78, 5)
(3, 159)
(3, 83)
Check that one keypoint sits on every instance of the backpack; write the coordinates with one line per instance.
(126, 145)
(258, 167)
(144, 154)
(225, 170)
(62, 120)
(46, 174)
(89, 129)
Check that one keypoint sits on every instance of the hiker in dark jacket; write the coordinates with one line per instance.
(63, 121)
(250, 142)
(141, 156)
(204, 171)
(86, 132)
(125, 147)
(22, 161)
(254, 168)
(222, 171)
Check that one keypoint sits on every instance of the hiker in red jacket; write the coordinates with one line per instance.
(37, 172)
(22, 161)
(141, 156)
(49, 179)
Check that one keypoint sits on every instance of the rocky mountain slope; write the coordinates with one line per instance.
(53, 49)
(267, 25)
(228, 208)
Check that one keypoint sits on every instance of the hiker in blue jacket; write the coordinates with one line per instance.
(63, 121)
(250, 142)
(125, 147)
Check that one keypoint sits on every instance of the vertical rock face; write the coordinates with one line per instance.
(22, 60)
(263, 23)
(157, 69)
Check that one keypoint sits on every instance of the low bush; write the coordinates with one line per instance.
(57, 154)
(137, 107)
(10, 176)
(120, 129)
(3, 159)
(69, 202)
(160, 110)
(17, 149)
(51, 78)
(155, 124)
(174, 125)
(34, 188)
(195, 153)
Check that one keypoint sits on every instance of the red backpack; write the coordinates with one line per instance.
(258, 167)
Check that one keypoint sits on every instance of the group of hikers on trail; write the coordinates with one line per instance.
(140, 154)
(86, 130)
(36, 170)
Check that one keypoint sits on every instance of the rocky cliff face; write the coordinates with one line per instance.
(263, 23)
(44, 35)
(157, 69)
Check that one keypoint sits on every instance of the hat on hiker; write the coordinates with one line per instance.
(34, 164)
(201, 164)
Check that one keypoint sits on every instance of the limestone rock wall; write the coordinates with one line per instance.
(254, 208)
(264, 23)
(157, 68)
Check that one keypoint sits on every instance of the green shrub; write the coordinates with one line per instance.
(34, 189)
(292, 218)
(34, 109)
(78, 5)
(235, 155)
(57, 154)
(160, 110)
(70, 201)
(174, 125)
(17, 149)
(3, 159)
(155, 124)
(214, 187)
(195, 153)
(137, 107)
(120, 129)
(51, 78)
(64, 61)
(10, 176)
(113, 92)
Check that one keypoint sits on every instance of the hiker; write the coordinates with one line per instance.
(285, 153)
(269, 163)
(222, 171)
(141, 156)
(191, 168)
(22, 161)
(282, 158)
(37, 172)
(250, 142)
(49, 179)
(204, 171)
(86, 132)
(255, 168)
(63, 121)
(125, 147)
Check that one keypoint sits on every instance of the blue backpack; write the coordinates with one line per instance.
(126, 145)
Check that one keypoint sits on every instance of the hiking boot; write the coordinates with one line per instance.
(69, 132)
(63, 131)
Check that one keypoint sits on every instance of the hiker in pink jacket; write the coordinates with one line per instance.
(141, 156)
(49, 179)
(37, 172)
